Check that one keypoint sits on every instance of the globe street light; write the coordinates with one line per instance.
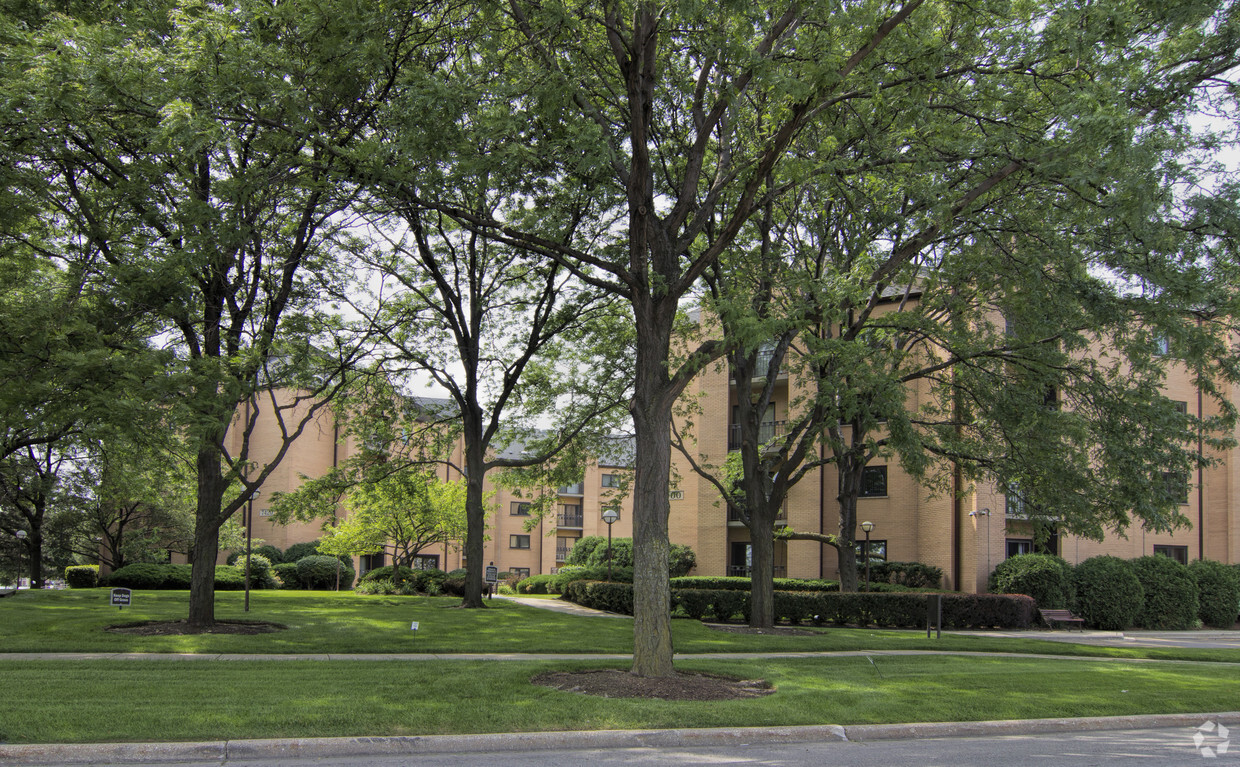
(610, 516)
(21, 542)
(867, 527)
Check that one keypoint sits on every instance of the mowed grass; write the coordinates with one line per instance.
(335, 623)
(135, 701)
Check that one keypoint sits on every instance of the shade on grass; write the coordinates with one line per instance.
(328, 622)
(98, 701)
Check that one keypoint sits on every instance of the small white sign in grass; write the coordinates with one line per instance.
(413, 626)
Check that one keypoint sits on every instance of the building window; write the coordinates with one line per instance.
(426, 562)
(520, 572)
(1178, 553)
(518, 541)
(1018, 546)
(1014, 504)
(1181, 406)
(370, 562)
(1176, 485)
(874, 482)
(1162, 346)
(520, 509)
(611, 480)
(878, 551)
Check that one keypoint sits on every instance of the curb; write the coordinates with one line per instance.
(328, 748)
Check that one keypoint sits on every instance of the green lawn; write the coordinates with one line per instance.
(325, 622)
(97, 701)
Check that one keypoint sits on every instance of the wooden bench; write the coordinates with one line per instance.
(1051, 617)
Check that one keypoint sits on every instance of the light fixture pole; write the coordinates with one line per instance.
(249, 538)
(21, 542)
(867, 526)
(610, 516)
(985, 513)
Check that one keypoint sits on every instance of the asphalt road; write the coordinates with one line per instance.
(1170, 746)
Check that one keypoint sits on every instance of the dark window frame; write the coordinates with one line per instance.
(519, 509)
(1178, 553)
(515, 540)
(868, 487)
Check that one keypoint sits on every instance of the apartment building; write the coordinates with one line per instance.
(965, 536)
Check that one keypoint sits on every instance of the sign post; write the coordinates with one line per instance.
(492, 577)
(121, 598)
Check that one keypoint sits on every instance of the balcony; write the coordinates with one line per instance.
(767, 431)
(577, 489)
(734, 516)
(569, 516)
(742, 571)
(562, 549)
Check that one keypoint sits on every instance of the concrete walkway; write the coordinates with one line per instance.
(560, 606)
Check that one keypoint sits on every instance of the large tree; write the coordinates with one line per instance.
(680, 123)
(171, 146)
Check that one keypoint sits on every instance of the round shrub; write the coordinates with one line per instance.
(82, 576)
(141, 575)
(1108, 594)
(621, 554)
(273, 555)
(1218, 592)
(299, 551)
(536, 584)
(680, 560)
(429, 581)
(1046, 578)
(582, 550)
(286, 574)
(1170, 593)
(318, 573)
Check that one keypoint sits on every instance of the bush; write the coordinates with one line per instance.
(733, 583)
(299, 551)
(680, 560)
(1170, 593)
(612, 597)
(575, 573)
(1046, 578)
(693, 602)
(581, 550)
(229, 578)
(453, 585)
(917, 575)
(286, 574)
(1218, 592)
(318, 573)
(429, 581)
(273, 555)
(140, 575)
(82, 576)
(378, 586)
(538, 584)
(1108, 594)
(387, 573)
(177, 576)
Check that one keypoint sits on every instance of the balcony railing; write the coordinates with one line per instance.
(561, 551)
(782, 516)
(577, 489)
(767, 431)
(569, 516)
(742, 571)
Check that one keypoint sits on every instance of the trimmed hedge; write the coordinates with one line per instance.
(177, 576)
(901, 610)
(140, 575)
(1170, 593)
(1108, 594)
(733, 583)
(1046, 578)
(539, 584)
(82, 576)
(1218, 592)
(591, 551)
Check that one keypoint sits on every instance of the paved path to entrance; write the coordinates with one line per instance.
(560, 606)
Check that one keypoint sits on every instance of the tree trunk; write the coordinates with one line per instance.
(206, 547)
(652, 418)
(846, 549)
(475, 523)
(762, 570)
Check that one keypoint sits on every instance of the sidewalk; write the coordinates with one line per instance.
(339, 748)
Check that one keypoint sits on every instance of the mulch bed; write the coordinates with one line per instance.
(777, 630)
(613, 683)
(177, 628)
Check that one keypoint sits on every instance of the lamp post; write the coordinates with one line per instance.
(985, 513)
(610, 516)
(21, 542)
(249, 538)
(867, 526)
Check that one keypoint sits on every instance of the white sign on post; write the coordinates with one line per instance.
(413, 626)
